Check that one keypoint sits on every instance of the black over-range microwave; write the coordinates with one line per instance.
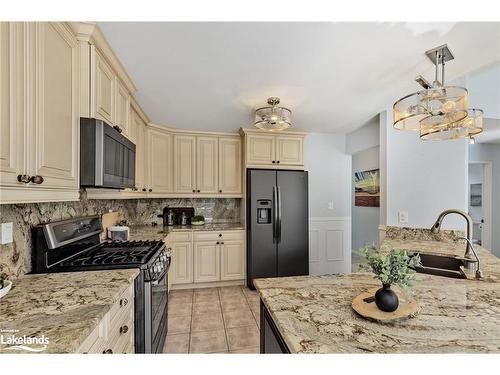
(107, 158)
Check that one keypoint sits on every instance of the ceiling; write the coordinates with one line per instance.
(333, 76)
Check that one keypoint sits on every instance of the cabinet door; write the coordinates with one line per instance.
(137, 129)
(104, 91)
(290, 150)
(230, 167)
(182, 263)
(184, 164)
(55, 93)
(206, 261)
(232, 260)
(206, 165)
(12, 124)
(122, 107)
(261, 149)
(159, 161)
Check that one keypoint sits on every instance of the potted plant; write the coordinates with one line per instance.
(5, 284)
(396, 267)
(197, 220)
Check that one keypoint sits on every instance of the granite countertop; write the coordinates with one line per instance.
(159, 232)
(64, 307)
(314, 314)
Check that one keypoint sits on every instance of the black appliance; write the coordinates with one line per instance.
(189, 211)
(107, 158)
(74, 245)
(277, 224)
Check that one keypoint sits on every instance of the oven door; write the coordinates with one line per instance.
(159, 311)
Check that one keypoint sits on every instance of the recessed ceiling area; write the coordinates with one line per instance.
(333, 76)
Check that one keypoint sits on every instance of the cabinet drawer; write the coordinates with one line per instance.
(125, 302)
(219, 235)
(181, 237)
(121, 332)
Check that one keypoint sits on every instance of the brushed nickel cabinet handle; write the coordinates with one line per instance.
(24, 178)
(107, 351)
(123, 329)
(36, 179)
(150, 190)
(123, 302)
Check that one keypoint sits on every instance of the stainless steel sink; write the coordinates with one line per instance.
(440, 265)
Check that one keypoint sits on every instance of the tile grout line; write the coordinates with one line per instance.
(251, 311)
(223, 321)
(191, 321)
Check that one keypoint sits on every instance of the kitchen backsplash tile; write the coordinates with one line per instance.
(15, 258)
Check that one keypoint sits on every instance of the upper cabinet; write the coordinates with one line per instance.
(122, 107)
(104, 90)
(184, 164)
(39, 117)
(283, 150)
(159, 162)
(207, 168)
(230, 167)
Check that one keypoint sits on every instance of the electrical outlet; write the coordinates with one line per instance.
(6, 233)
(403, 217)
(330, 205)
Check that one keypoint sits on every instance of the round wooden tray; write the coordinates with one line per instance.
(407, 307)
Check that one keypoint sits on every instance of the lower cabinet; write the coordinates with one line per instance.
(207, 256)
(115, 332)
(271, 341)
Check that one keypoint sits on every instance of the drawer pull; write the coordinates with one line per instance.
(107, 351)
(217, 243)
(36, 179)
(24, 178)
(123, 302)
(123, 329)
(222, 243)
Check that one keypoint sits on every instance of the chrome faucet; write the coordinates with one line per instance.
(470, 253)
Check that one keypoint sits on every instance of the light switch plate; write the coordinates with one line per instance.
(403, 217)
(6, 233)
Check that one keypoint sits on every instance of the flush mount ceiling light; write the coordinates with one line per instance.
(438, 112)
(273, 118)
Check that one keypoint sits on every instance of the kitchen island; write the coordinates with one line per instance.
(313, 314)
(62, 307)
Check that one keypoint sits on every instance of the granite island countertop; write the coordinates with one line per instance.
(159, 232)
(314, 314)
(64, 307)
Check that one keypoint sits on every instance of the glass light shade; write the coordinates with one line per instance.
(444, 106)
(408, 112)
(468, 127)
(273, 118)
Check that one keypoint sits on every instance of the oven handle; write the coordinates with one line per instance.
(157, 281)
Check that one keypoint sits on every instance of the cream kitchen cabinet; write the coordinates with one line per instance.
(115, 332)
(207, 168)
(184, 163)
(137, 134)
(263, 150)
(201, 257)
(206, 261)
(122, 107)
(232, 259)
(230, 168)
(41, 70)
(12, 124)
(181, 269)
(103, 80)
(159, 161)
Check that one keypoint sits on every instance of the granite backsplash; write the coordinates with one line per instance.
(15, 258)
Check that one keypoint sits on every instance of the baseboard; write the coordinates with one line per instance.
(208, 285)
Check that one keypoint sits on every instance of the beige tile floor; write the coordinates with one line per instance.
(213, 320)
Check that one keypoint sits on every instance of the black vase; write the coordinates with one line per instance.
(385, 299)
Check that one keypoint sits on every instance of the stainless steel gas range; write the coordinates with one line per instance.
(74, 245)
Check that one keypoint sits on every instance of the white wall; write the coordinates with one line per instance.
(364, 138)
(365, 220)
(491, 152)
(329, 182)
(329, 174)
(423, 178)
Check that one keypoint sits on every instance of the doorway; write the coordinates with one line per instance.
(480, 202)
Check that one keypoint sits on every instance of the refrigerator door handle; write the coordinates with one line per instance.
(275, 213)
(278, 227)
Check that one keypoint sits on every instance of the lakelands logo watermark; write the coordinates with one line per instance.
(35, 344)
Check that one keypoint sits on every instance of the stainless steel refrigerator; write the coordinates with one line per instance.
(277, 224)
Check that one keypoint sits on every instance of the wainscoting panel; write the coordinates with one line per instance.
(329, 245)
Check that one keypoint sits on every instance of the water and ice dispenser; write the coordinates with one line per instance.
(264, 211)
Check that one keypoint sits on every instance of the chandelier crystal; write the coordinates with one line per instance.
(273, 118)
(438, 112)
